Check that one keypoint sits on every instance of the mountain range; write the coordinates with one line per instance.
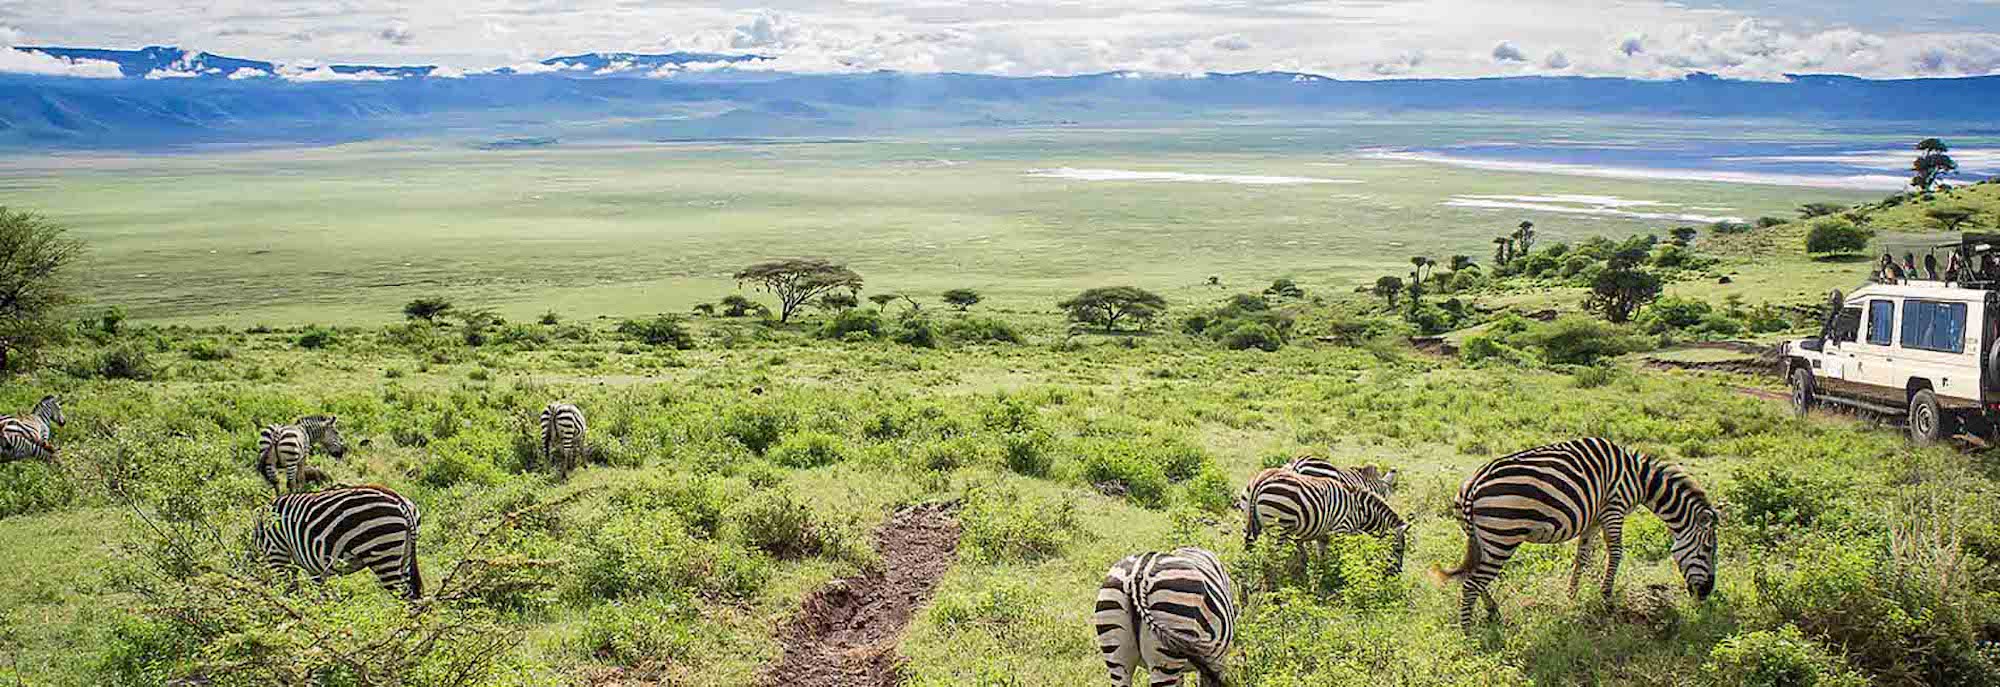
(170, 97)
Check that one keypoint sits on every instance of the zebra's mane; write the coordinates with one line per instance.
(1670, 489)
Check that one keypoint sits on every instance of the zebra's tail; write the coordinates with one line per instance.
(413, 577)
(1473, 556)
(1210, 674)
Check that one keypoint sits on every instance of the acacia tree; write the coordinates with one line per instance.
(1684, 236)
(1951, 216)
(882, 301)
(1524, 238)
(427, 308)
(1106, 306)
(961, 298)
(1932, 164)
(799, 281)
(1621, 289)
(1503, 251)
(1387, 287)
(34, 282)
(837, 301)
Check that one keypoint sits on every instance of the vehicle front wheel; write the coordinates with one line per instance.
(1927, 420)
(1802, 391)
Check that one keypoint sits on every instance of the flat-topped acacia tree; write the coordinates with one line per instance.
(799, 281)
(1106, 306)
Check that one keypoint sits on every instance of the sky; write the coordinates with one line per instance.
(1349, 39)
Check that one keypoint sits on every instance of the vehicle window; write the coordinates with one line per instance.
(1934, 326)
(1848, 327)
(1881, 322)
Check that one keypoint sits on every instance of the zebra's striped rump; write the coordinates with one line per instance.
(32, 435)
(1166, 612)
(563, 432)
(1578, 490)
(340, 531)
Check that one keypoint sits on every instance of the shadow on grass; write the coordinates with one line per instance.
(1651, 637)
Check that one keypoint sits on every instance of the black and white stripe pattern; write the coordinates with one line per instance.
(1576, 490)
(1366, 477)
(340, 531)
(562, 436)
(282, 450)
(32, 435)
(1308, 508)
(1166, 612)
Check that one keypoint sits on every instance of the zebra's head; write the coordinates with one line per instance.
(50, 410)
(1694, 548)
(325, 430)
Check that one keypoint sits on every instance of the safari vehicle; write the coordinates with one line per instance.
(1913, 344)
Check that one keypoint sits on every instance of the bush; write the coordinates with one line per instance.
(658, 627)
(810, 450)
(848, 323)
(1003, 525)
(1292, 638)
(1673, 312)
(633, 553)
(982, 329)
(465, 458)
(756, 427)
(1784, 658)
(1836, 236)
(1579, 340)
(209, 351)
(661, 330)
(774, 523)
(124, 361)
(1143, 480)
(1209, 490)
(917, 332)
(427, 308)
(1027, 453)
(316, 337)
(1774, 500)
(1252, 335)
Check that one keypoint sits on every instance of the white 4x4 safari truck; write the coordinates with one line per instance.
(1921, 344)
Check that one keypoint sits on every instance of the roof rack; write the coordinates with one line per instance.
(1972, 262)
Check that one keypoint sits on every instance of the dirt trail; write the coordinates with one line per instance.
(845, 633)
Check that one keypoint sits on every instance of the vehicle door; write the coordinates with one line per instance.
(1874, 373)
(1836, 359)
(1933, 344)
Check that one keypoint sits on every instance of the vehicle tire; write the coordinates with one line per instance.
(1927, 419)
(1802, 391)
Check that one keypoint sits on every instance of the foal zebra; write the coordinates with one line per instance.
(1166, 611)
(562, 436)
(282, 450)
(1574, 490)
(29, 436)
(1308, 508)
(339, 531)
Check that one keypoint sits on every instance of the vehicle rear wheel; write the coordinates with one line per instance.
(1802, 391)
(1927, 420)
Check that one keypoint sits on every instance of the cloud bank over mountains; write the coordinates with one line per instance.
(1348, 39)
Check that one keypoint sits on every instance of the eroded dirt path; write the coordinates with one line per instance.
(845, 633)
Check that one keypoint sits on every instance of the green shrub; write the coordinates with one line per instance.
(851, 325)
(664, 627)
(1580, 340)
(982, 330)
(661, 330)
(700, 502)
(1027, 453)
(1773, 500)
(1784, 658)
(316, 337)
(1004, 525)
(206, 350)
(1250, 335)
(633, 553)
(33, 487)
(774, 523)
(465, 458)
(1209, 490)
(1143, 480)
(756, 427)
(1835, 235)
(1292, 638)
(124, 361)
(809, 450)
(917, 332)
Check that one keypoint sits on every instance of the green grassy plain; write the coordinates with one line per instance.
(347, 234)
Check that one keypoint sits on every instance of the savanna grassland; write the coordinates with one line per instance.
(738, 464)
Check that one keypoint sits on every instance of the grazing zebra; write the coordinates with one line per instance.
(340, 531)
(1308, 508)
(1166, 611)
(1366, 477)
(1574, 490)
(282, 449)
(562, 436)
(31, 435)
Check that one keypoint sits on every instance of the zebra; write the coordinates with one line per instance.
(1309, 508)
(30, 435)
(1166, 611)
(562, 436)
(282, 450)
(1366, 477)
(339, 531)
(1575, 490)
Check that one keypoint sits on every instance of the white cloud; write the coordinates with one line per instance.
(242, 73)
(1556, 60)
(327, 74)
(171, 74)
(1342, 38)
(14, 61)
(447, 72)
